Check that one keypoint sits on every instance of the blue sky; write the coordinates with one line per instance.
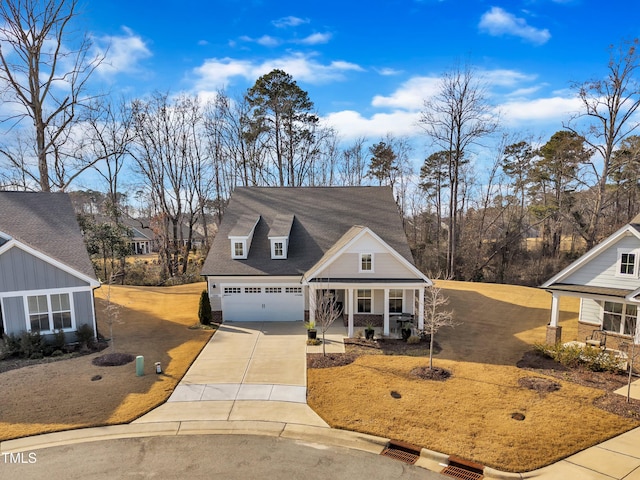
(366, 65)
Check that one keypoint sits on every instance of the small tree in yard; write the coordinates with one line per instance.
(112, 315)
(327, 312)
(435, 317)
(204, 310)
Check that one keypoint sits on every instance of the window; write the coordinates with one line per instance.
(395, 301)
(50, 312)
(364, 301)
(38, 313)
(627, 263)
(366, 262)
(293, 290)
(252, 290)
(278, 249)
(238, 249)
(273, 290)
(619, 318)
(61, 311)
(229, 290)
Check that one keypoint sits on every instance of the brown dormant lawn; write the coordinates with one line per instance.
(61, 395)
(470, 415)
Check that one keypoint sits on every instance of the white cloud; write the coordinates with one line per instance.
(504, 78)
(289, 21)
(497, 22)
(123, 53)
(268, 41)
(219, 72)
(352, 124)
(386, 72)
(410, 95)
(315, 39)
(540, 109)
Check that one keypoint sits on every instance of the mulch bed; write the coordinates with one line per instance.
(608, 382)
(435, 373)
(318, 360)
(113, 359)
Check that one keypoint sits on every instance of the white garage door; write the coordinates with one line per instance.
(271, 304)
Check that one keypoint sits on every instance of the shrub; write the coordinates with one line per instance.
(59, 340)
(204, 310)
(85, 336)
(9, 347)
(31, 343)
(413, 340)
(573, 355)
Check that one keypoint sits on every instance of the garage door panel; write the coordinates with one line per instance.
(263, 304)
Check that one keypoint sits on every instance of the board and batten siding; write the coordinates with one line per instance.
(13, 315)
(590, 311)
(83, 308)
(20, 271)
(601, 270)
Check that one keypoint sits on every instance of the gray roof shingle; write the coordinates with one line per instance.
(322, 215)
(47, 223)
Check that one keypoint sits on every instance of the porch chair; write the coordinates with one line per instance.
(598, 338)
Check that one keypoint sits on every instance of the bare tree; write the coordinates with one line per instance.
(456, 119)
(327, 312)
(609, 107)
(435, 317)
(44, 72)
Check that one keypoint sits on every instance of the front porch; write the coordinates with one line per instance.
(372, 304)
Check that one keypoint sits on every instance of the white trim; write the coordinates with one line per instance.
(42, 291)
(285, 247)
(242, 241)
(371, 257)
(594, 252)
(52, 330)
(623, 316)
(370, 297)
(309, 274)
(47, 259)
(627, 251)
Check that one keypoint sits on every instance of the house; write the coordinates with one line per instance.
(46, 276)
(607, 281)
(278, 248)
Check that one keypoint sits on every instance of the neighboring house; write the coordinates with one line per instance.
(278, 249)
(607, 281)
(46, 276)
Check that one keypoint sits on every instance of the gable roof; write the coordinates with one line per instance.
(353, 234)
(321, 216)
(46, 222)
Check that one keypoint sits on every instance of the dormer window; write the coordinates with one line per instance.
(627, 265)
(366, 262)
(3, 238)
(241, 236)
(279, 236)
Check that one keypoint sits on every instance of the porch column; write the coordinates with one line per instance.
(312, 303)
(421, 308)
(385, 324)
(554, 331)
(350, 321)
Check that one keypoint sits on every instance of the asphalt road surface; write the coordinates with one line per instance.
(205, 457)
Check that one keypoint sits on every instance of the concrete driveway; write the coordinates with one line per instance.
(247, 371)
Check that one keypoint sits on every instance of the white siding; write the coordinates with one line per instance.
(590, 311)
(601, 270)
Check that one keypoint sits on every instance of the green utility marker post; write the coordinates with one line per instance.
(139, 365)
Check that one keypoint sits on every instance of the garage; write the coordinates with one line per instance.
(262, 303)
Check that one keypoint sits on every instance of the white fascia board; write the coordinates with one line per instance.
(591, 254)
(311, 273)
(52, 261)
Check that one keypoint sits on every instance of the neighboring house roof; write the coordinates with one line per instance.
(322, 217)
(47, 223)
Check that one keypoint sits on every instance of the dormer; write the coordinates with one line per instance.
(241, 236)
(279, 236)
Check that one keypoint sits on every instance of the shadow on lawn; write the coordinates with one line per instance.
(494, 331)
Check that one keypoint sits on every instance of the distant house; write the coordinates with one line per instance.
(46, 276)
(278, 249)
(607, 281)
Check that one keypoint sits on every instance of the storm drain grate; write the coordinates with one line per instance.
(402, 451)
(461, 473)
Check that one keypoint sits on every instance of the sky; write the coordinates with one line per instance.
(367, 66)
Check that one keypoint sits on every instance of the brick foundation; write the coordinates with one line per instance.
(362, 319)
(216, 316)
(554, 335)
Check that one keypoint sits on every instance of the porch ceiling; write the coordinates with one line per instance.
(366, 280)
(589, 289)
